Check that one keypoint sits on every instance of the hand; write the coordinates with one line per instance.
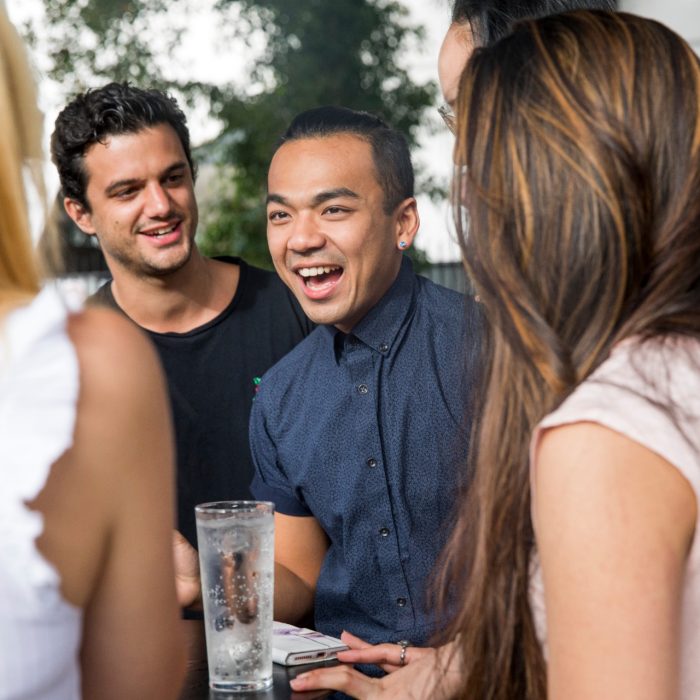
(386, 656)
(187, 580)
(433, 673)
(237, 573)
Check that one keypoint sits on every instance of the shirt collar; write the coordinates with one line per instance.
(381, 325)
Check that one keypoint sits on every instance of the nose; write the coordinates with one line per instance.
(306, 235)
(158, 204)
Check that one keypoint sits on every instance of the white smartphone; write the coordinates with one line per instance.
(293, 646)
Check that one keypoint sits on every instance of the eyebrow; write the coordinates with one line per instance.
(128, 182)
(319, 198)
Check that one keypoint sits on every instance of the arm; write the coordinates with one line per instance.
(614, 523)
(300, 542)
(300, 548)
(132, 645)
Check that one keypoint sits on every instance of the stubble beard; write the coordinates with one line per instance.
(142, 268)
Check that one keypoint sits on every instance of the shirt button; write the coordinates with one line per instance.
(383, 348)
(362, 389)
(384, 532)
(371, 462)
(401, 602)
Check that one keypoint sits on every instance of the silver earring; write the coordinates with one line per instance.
(402, 244)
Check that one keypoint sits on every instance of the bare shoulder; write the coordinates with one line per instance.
(601, 450)
(122, 388)
(603, 474)
(105, 339)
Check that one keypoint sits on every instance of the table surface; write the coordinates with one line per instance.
(196, 685)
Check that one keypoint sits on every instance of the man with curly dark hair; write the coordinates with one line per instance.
(127, 173)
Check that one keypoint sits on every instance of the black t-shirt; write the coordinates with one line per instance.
(212, 374)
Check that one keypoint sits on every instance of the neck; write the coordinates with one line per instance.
(347, 325)
(179, 301)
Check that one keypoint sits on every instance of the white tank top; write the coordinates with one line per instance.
(39, 379)
(651, 394)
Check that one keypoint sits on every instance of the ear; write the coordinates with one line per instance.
(407, 223)
(80, 215)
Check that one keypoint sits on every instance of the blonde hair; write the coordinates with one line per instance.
(20, 148)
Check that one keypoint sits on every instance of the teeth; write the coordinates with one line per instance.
(315, 271)
(162, 232)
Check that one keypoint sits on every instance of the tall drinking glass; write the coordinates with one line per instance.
(236, 558)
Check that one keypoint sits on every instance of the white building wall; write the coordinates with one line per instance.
(683, 16)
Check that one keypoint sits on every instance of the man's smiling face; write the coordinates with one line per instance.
(330, 238)
(142, 204)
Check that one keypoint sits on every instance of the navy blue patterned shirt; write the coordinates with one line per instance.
(367, 432)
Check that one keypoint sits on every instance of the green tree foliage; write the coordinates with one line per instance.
(344, 52)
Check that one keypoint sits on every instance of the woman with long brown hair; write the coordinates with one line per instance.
(574, 566)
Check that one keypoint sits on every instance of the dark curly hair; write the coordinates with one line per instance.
(91, 117)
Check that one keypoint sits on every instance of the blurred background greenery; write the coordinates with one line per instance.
(298, 54)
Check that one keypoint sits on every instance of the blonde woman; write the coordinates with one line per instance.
(87, 601)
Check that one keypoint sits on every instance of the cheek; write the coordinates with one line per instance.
(276, 245)
(374, 263)
(187, 200)
(121, 219)
(119, 224)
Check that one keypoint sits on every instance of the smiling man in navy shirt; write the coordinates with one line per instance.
(359, 435)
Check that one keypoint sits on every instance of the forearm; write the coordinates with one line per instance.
(294, 599)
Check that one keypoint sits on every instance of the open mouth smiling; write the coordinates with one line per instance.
(160, 232)
(320, 277)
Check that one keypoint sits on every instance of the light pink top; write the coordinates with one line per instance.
(651, 394)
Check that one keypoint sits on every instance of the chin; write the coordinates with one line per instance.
(321, 318)
(168, 268)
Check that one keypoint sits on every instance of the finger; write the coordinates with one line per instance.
(415, 653)
(377, 654)
(181, 544)
(249, 611)
(342, 678)
(227, 573)
(245, 599)
(353, 656)
(347, 658)
(354, 642)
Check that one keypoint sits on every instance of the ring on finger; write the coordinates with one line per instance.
(404, 644)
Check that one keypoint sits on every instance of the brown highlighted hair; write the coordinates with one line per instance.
(578, 162)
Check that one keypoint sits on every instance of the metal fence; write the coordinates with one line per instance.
(448, 274)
